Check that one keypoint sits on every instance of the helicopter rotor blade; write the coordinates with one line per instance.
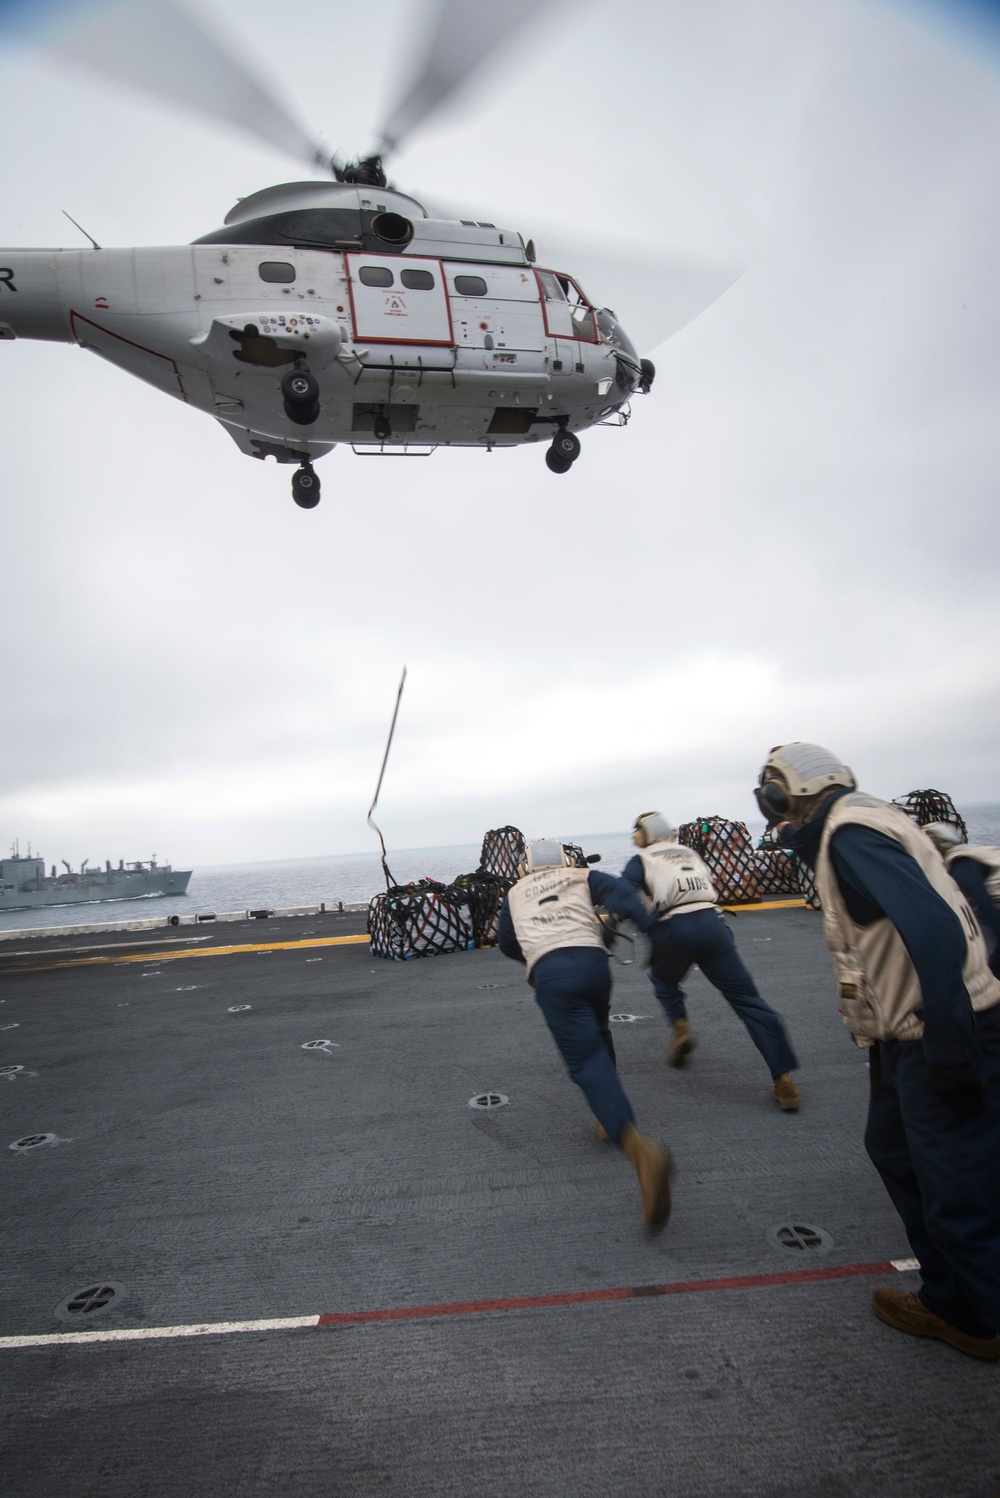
(463, 36)
(159, 46)
(653, 296)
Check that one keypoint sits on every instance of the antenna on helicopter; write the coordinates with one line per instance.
(80, 227)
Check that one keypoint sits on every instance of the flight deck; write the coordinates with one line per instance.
(281, 1218)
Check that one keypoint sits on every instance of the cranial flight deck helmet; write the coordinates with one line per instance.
(652, 827)
(798, 772)
(544, 853)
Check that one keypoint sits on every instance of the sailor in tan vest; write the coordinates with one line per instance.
(548, 922)
(976, 871)
(915, 991)
(677, 885)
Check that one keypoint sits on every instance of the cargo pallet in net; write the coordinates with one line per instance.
(932, 806)
(741, 873)
(430, 919)
(426, 919)
(502, 853)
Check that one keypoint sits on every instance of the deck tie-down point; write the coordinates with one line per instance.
(82, 1305)
(800, 1237)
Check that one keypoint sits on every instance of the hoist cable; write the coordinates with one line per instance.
(389, 881)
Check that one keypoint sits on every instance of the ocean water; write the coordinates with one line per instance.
(349, 877)
(275, 885)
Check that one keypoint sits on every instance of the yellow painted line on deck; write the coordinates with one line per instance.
(770, 905)
(316, 941)
(261, 946)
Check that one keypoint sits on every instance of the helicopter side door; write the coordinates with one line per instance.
(495, 308)
(398, 299)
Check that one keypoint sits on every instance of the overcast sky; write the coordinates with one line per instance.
(795, 537)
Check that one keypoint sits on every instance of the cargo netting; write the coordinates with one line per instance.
(741, 873)
(932, 806)
(485, 893)
(781, 873)
(426, 919)
(503, 850)
(429, 919)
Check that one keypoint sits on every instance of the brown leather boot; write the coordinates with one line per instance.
(907, 1313)
(602, 1132)
(682, 1043)
(654, 1167)
(785, 1093)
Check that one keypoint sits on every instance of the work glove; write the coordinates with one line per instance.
(959, 1087)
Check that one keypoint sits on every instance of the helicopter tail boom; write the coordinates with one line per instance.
(31, 300)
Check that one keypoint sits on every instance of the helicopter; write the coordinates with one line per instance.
(340, 311)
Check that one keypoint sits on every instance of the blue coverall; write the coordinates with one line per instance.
(703, 937)
(933, 1131)
(573, 990)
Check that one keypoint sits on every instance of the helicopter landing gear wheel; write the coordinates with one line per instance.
(305, 487)
(302, 416)
(300, 392)
(565, 445)
(555, 463)
(300, 388)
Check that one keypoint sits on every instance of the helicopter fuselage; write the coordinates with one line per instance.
(419, 333)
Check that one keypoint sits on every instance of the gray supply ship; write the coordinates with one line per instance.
(25, 886)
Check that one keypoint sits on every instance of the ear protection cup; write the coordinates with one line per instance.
(772, 798)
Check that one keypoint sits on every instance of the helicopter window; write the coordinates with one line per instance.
(276, 270)
(552, 288)
(375, 275)
(470, 285)
(417, 280)
(564, 292)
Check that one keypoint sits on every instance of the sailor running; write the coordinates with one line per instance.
(548, 921)
(689, 929)
(916, 992)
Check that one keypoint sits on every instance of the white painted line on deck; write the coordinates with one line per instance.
(150, 1333)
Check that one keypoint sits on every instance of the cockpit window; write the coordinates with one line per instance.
(561, 295)
(552, 291)
(612, 332)
(375, 275)
(276, 270)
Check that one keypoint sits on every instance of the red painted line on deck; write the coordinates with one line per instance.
(458, 1307)
(624, 1292)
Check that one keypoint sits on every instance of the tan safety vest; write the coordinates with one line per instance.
(880, 995)
(989, 858)
(552, 908)
(678, 879)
